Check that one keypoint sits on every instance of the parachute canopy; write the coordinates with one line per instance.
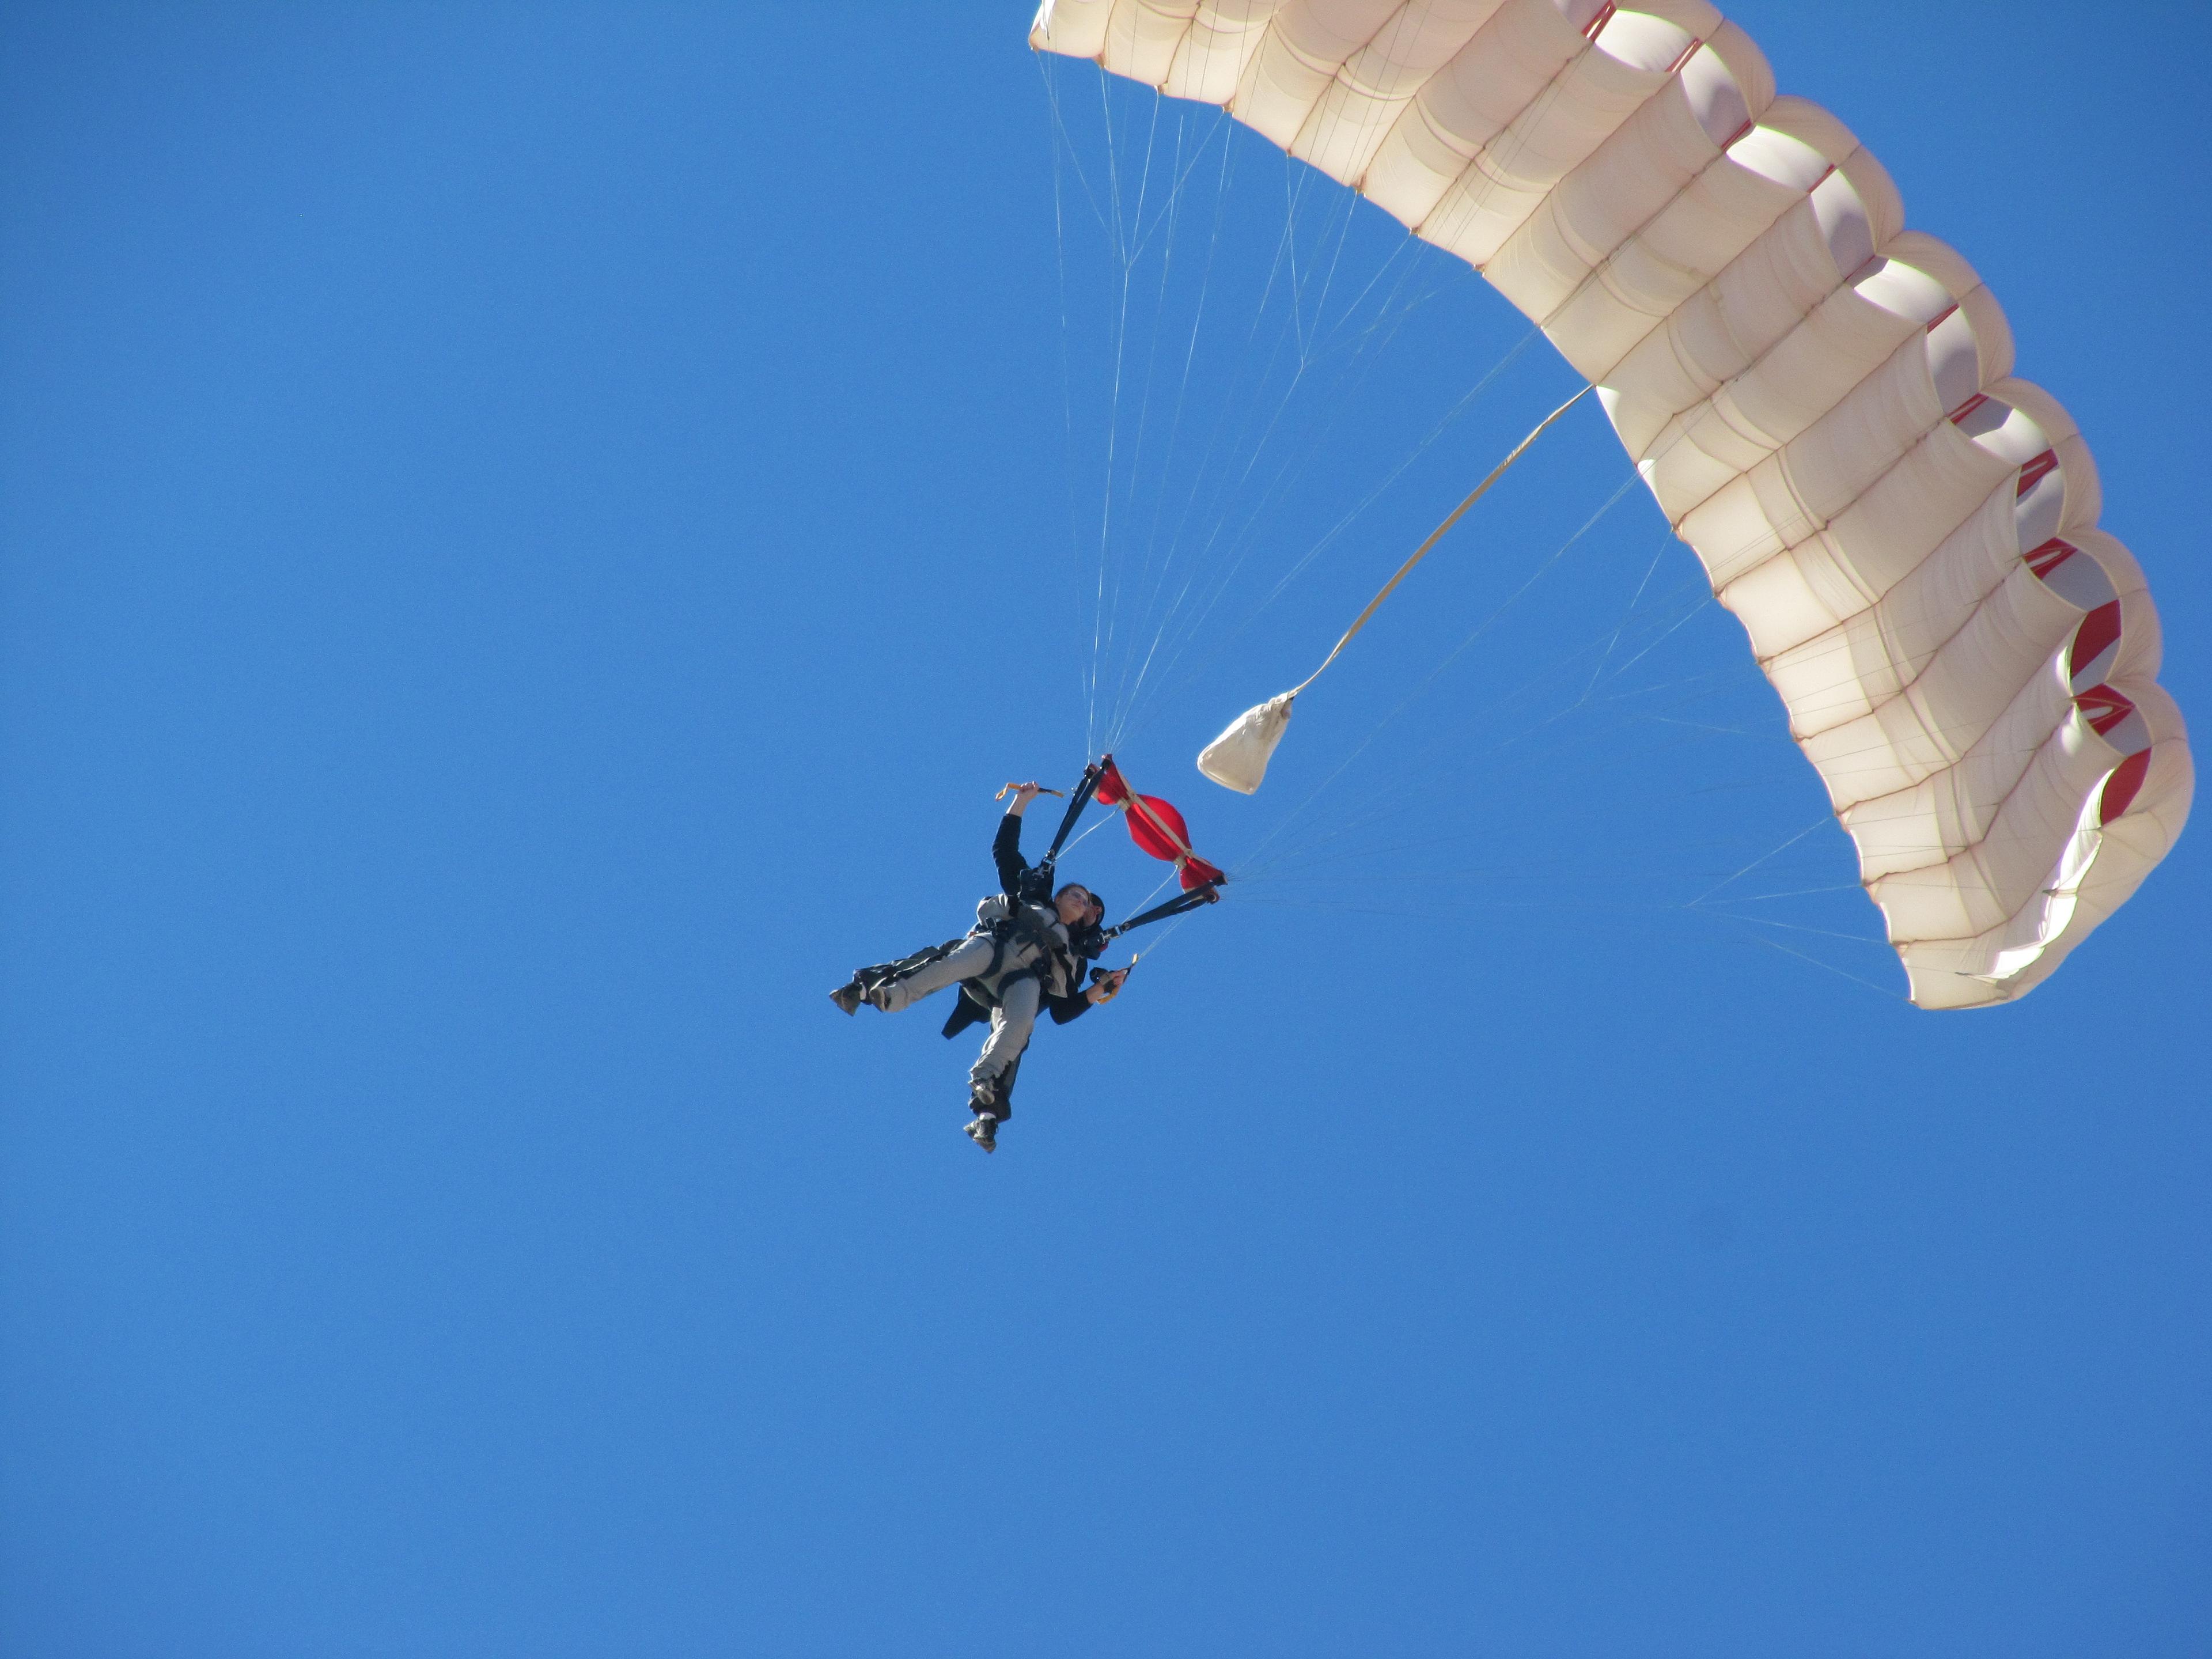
(1820, 400)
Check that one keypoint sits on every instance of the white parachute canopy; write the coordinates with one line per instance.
(1820, 400)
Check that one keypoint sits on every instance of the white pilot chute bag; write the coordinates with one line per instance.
(1238, 759)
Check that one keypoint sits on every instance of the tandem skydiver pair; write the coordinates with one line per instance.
(1031, 941)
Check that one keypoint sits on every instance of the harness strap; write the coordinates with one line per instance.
(1020, 928)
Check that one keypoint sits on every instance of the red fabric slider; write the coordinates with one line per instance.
(1157, 827)
(1197, 872)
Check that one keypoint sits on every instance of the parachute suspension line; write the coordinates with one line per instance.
(1179, 623)
(1249, 408)
(1375, 809)
(1327, 845)
(1102, 627)
(1113, 227)
(1156, 568)
(1469, 207)
(1329, 278)
(1387, 803)
(1096, 825)
(1386, 314)
(1185, 616)
(1165, 882)
(1378, 807)
(1152, 337)
(1152, 946)
(1098, 590)
(1397, 471)
(1063, 142)
(1799, 927)
(1109, 228)
(1179, 176)
(1826, 818)
(1155, 559)
(1126, 246)
(1776, 945)
(1458, 651)
(1169, 216)
(1390, 315)
(1294, 190)
(1282, 272)
(1693, 612)
(1133, 248)
(1062, 148)
(1271, 491)
(1583, 701)
(1301, 564)
(1438, 534)
(1803, 892)
(1129, 505)
(1613, 639)
(1285, 252)
(1160, 565)
(1245, 536)
(1123, 574)
(1203, 470)
(1797, 521)
(1113, 172)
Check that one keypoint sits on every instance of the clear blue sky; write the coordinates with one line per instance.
(530, 534)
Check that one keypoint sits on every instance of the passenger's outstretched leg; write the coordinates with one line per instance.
(973, 957)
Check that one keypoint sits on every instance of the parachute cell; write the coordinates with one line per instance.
(1821, 401)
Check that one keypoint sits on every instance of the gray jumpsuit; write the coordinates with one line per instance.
(1033, 961)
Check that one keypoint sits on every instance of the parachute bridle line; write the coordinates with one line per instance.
(1437, 535)
(1249, 868)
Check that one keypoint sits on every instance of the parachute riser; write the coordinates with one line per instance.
(1206, 893)
(1077, 801)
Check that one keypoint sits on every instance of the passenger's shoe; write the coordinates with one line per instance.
(847, 998)
(984, 1131)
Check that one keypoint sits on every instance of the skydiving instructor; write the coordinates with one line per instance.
(1026, 954)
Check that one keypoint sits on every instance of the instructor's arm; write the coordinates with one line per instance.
(1006, 845)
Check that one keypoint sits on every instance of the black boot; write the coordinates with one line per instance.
(988, 1105)
(848, 997)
